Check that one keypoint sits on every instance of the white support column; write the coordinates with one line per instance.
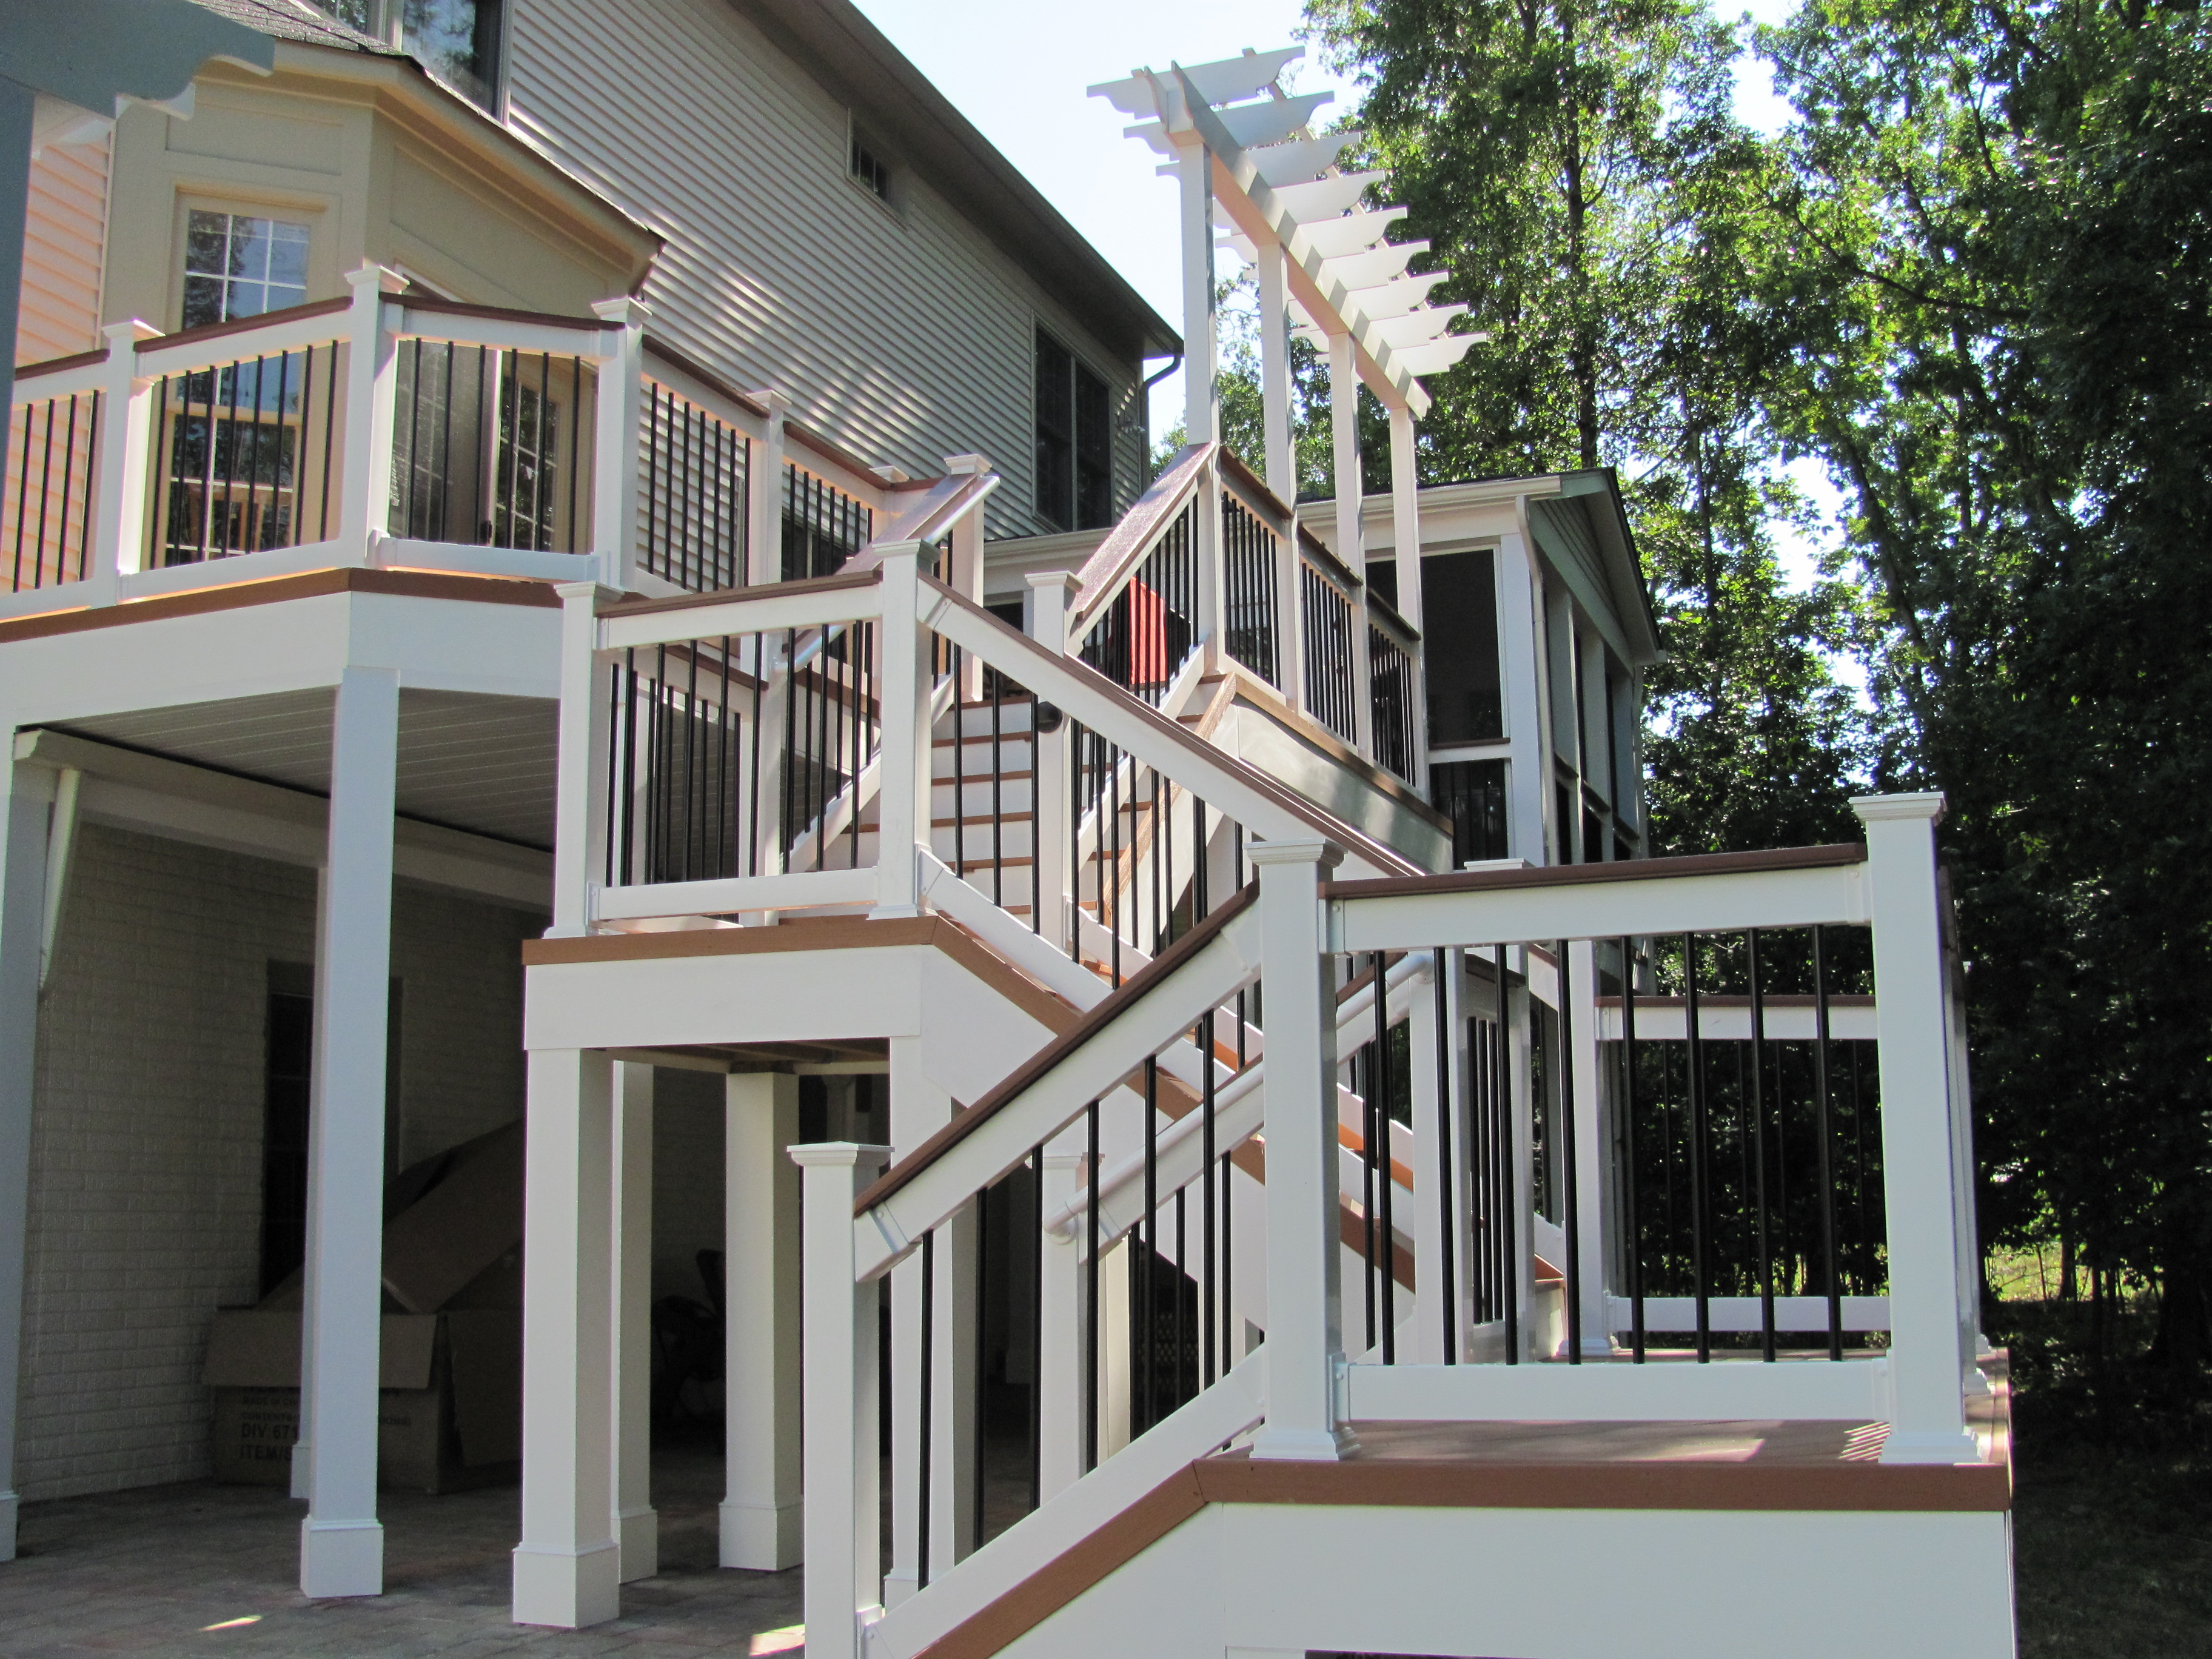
(902, 809)
(762, 1514)
(341, 1543)
(1520, 672)
(1931, 1343)
(1350, 542)
(1591, 1161)
(365, 492)
(1202, 396)
(636, 1527)
(28, 791)
(567, 1568)
(1281, 458)
(1051, 593)
(968, 567)
(617, 419)
(920, 1107)
(764, 494)
(126, 452)
(1405, 544)
(1060, 1336)
(844, 1589)
(583, 774)
(1305, 1340)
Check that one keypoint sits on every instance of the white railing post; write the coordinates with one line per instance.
(1931, 1340)
(1051, 593)
(966, 577)
(615, 440)
(1305, 1337)
(581, 775)
(126, 461)
(841, 1472)
(1521, 680)
(1291, 615)
(904, 771)
(1406, 543)
(365, 486)
(1211, 623)
(1351, 541)
(1059, 1330)
(764, 493)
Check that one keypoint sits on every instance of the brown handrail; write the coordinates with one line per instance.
(1133, 990)
(1381, 610)
(58, 365)
(1572, 875)
(698, 371)
(1328, 564)
(245, 324)
(1129, 541)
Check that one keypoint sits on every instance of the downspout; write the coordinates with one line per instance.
(61, 838)
(1145, 392)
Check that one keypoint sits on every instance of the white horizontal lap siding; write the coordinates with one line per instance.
(904, 338)
(63, 235)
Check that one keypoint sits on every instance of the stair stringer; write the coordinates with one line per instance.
(1079, 1537)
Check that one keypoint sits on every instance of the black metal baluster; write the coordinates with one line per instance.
(1514, 1199)
(982, 1368)
(1207, 1220)
(1036, 1328)
(959, 771)
(1152, 1230)
(1694, 1099)
(1383, 1081)
(1571, 1157)
(1758, 1106)
(1629, 1227)
(1090, 1355)
(1447, 1169)
(998, 788)
(927, 1383)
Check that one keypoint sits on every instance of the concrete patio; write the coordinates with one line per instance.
(173, 1570)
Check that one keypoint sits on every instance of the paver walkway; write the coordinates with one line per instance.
(147, 1571)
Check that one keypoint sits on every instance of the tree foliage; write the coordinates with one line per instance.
(1969, 279)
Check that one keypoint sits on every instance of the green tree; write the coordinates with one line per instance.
(1989, 228)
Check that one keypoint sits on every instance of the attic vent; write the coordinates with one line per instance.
(870, 169)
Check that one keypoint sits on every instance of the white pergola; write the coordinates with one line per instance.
(1250, 166)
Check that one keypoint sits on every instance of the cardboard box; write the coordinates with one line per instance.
(449, 1407)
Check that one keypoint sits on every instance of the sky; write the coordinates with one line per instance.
(1019, 71)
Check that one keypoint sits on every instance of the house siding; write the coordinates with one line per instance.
(903, 334)
(145, 1211)
(62, 234)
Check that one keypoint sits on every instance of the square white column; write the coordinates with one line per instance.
(567, 1569)
(761, 1517)
(29, 792)
(341, 1543)
(636, 1527)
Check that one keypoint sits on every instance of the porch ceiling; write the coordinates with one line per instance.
(479, 763)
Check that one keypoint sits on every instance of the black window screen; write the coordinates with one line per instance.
(1459, 634)
(1472, 794)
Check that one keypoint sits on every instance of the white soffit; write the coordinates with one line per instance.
(1274, 182)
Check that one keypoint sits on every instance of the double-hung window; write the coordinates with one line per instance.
(1074, 440)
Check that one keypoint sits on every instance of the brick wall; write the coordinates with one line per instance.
(146, 1140)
